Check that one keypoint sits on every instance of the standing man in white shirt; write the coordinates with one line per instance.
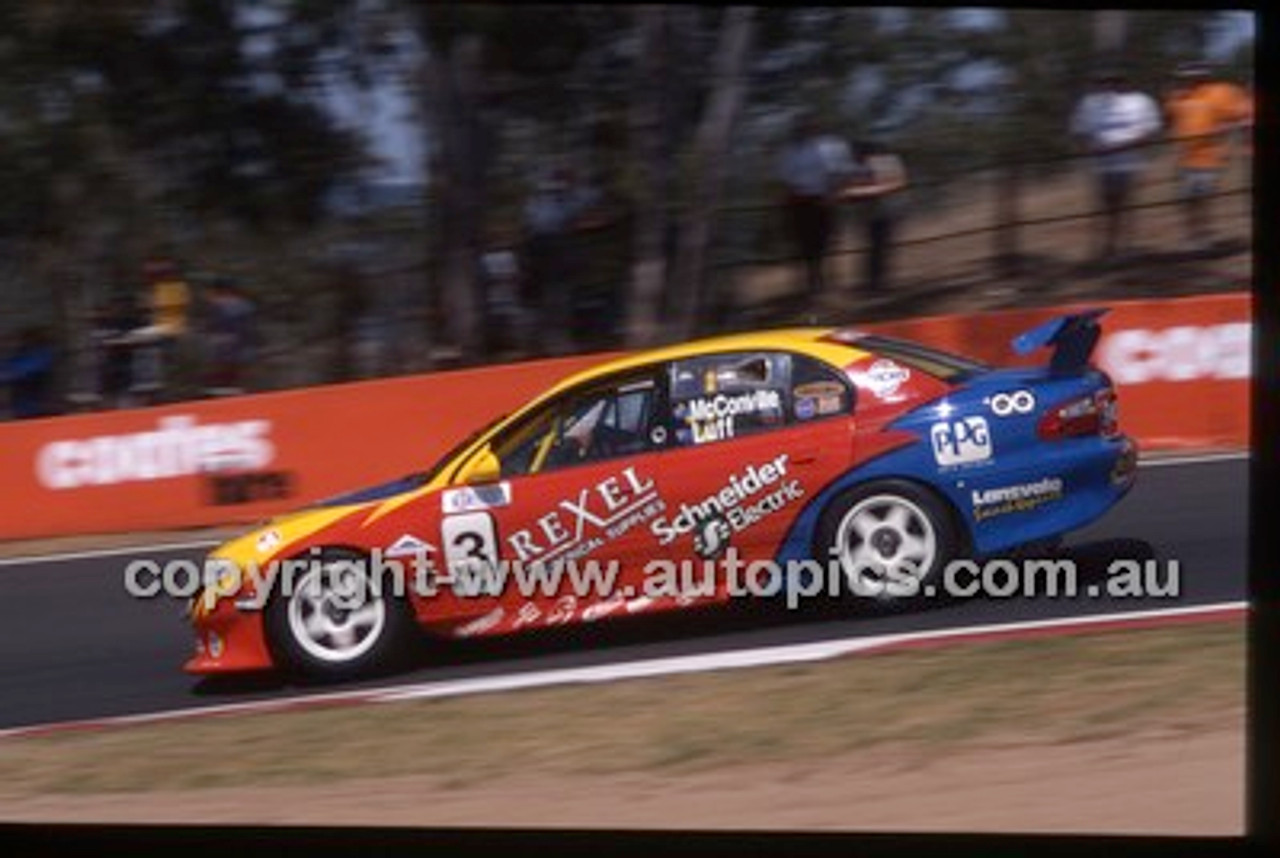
(813, 168)
(1112, 123)
(550, 264)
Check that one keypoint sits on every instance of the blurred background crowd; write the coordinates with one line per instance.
(204, 197)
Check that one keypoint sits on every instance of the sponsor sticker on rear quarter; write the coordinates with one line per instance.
(818, 397)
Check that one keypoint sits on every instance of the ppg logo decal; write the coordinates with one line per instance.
(961, 441)
(1018, 402)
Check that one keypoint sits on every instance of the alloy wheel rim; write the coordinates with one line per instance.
(886, 545)
(333, 616)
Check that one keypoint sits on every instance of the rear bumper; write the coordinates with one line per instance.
(1125, 470)
(1096, 473)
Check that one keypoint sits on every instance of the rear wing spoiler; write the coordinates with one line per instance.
(1073, 337)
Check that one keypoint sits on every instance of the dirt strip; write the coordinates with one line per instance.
(1156, 784)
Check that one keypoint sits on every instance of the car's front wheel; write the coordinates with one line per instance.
(332, 623)
(888, 539)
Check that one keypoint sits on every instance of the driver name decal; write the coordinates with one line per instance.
(711, 418)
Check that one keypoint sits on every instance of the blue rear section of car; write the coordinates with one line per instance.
(978, 447)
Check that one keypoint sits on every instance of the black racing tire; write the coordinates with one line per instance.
(323, 627)
(888, 540)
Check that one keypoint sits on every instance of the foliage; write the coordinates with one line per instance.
(163, 117)
(161, 100)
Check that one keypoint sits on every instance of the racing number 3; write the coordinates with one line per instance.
(469, 540)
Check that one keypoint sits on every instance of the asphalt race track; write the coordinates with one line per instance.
(75, 645)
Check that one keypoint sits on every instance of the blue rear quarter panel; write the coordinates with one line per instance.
(1017, 456)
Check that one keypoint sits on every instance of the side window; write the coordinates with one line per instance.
(725, 396)
(596, 424)
(523, 444)
(817, 390)
(604, 424)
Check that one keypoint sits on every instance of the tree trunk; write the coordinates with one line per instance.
(710, 155)
(1008, 250)
(452, 88)
(649, 266)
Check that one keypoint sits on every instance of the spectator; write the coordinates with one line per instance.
(553, 213)
(115, 322)
(878, 174)
(1111, 123)
(230, 338)
(1202, 112)
(28, 372)
(160, 344)
(170, 297)
(509, 328)
(812, 168)
(1246, 133)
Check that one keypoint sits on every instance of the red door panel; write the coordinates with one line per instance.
(744, 493)
(590, 517)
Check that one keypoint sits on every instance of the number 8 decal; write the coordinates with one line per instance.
(1019, 402)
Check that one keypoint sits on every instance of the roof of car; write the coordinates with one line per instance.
(832, 345)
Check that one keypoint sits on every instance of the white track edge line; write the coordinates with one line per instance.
(1202, 459)
(763, 656)
(87, 554)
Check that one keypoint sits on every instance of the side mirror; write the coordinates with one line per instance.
(483, 467)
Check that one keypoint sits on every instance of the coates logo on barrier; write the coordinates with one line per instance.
(1182, 353)
(177, 448)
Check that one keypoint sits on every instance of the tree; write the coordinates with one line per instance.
(710, 147)
(459, 163)
(487, 66)
(648, 129)
(126, 126)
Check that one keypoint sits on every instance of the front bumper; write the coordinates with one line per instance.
(228, 640)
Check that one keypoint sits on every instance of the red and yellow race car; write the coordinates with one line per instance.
(882, 457)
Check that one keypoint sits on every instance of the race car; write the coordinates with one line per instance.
(879, 458)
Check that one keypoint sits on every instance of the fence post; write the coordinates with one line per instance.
(1007, 256)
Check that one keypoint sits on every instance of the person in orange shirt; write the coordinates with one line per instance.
(1203, 111)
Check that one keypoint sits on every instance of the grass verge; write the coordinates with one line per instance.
(1173, 681)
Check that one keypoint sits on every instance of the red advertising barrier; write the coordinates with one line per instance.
(1181, 366)
(247, 457)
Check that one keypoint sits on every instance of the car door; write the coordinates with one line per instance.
(578, 488)
(756, 435)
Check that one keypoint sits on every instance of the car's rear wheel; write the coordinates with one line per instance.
(332, 623)
(890, 539)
